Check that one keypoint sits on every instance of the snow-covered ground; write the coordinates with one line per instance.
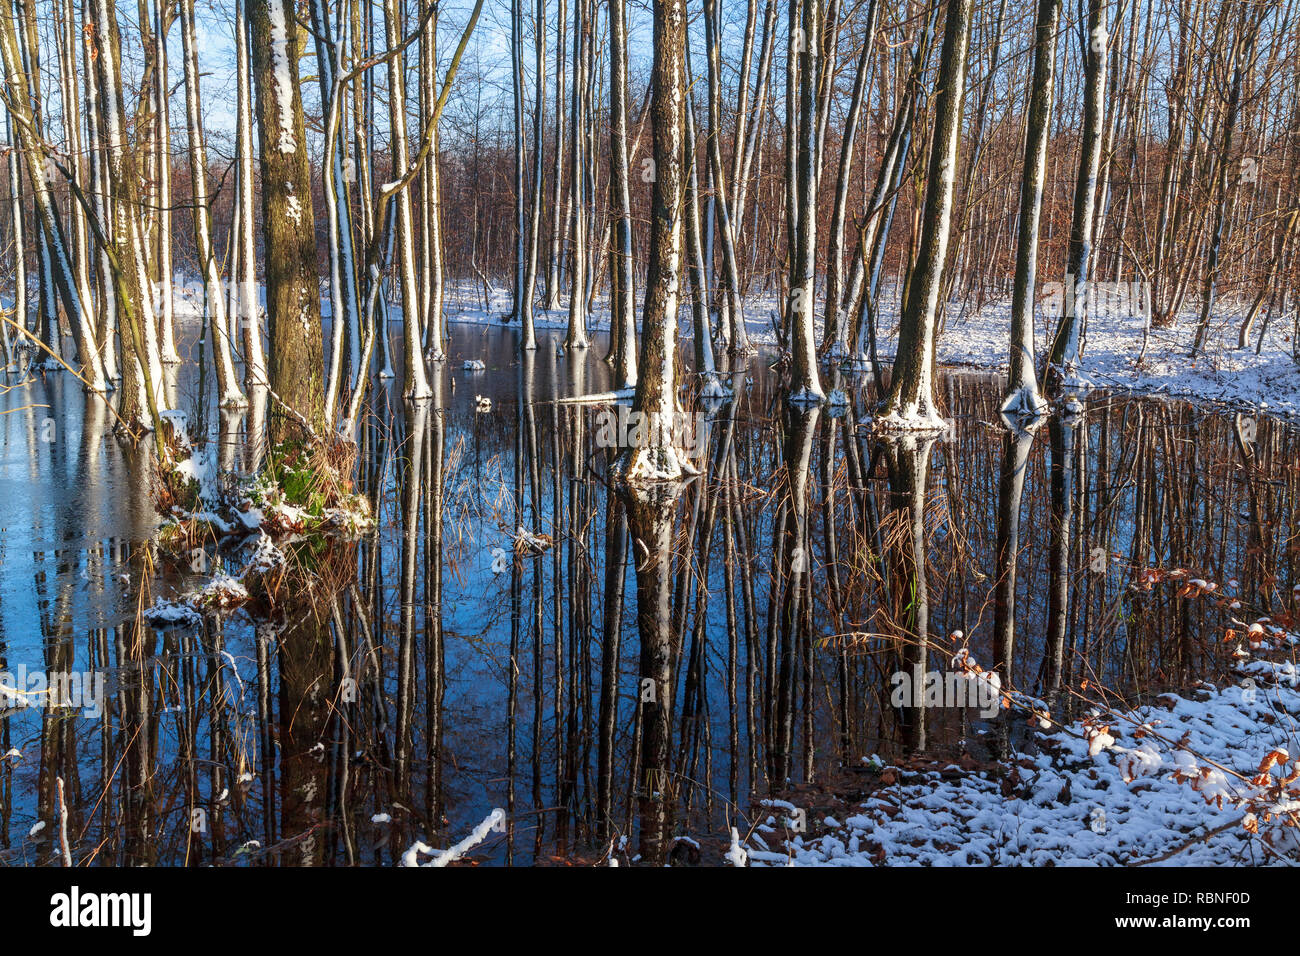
(1268, 382)
(1204, 779)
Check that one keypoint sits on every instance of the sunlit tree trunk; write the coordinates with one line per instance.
(520, 152)
(864, 280)
(19, 256)
(101, 192)
(163, 165)
(577, 334)
(911, 401)
(656, 390)
(529, 339)
(834, 335)
(61, 277)
(229, 394)
(345, 307)
(142, 379)
(558, 215)
(696, 270)
(436, 327)
(622, 301)
(296, 369)
(84, 329)
(1022, 396)
(805, 385)
(1063, 362)
(729, 303)
(47, 324)
(417, 385)
(249, 310)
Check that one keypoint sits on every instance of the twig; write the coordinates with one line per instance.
(63, 825)
(1199, 838)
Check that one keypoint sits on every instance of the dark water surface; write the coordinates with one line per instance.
(416, 689)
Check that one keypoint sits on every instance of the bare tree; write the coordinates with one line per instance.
(1063, 361)
(658, 458)
(1022, 398)
(229, 394)
(910, 402)
(296, 367)
(805, 385)
(622, 302)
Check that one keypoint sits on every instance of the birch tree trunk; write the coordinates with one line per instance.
(805, 387)
(623, 309)
(84, 329)
(142, 378)
(732, 309)
(248, 311)
(61, 276)
(163, 165)
(520, 151)
(101, 203)
(436, 328)
(529, 340)
(834, 335)
(417, 385)
(345, 307)
(229, 394)
(47, 322)
(558, 217)
(577, 334)
(699, 279)
(19, 260)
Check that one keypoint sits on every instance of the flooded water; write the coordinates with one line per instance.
(648, 671)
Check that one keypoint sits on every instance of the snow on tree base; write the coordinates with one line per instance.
(713, 388)
(807, 396)
(653, 464)
(857, 364)
(916, 421)
(1024, 403)
(1070, 380)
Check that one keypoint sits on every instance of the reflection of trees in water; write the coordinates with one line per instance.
(766, 602)
(906, 583)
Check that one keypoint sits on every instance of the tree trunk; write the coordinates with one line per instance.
(910, 402)
(228, 391)
(163, 165)
(246, 280)
(1063, 363)
(1022, 396)
(288, 221)
(623, 307)
(805, 385)
(657, 457)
